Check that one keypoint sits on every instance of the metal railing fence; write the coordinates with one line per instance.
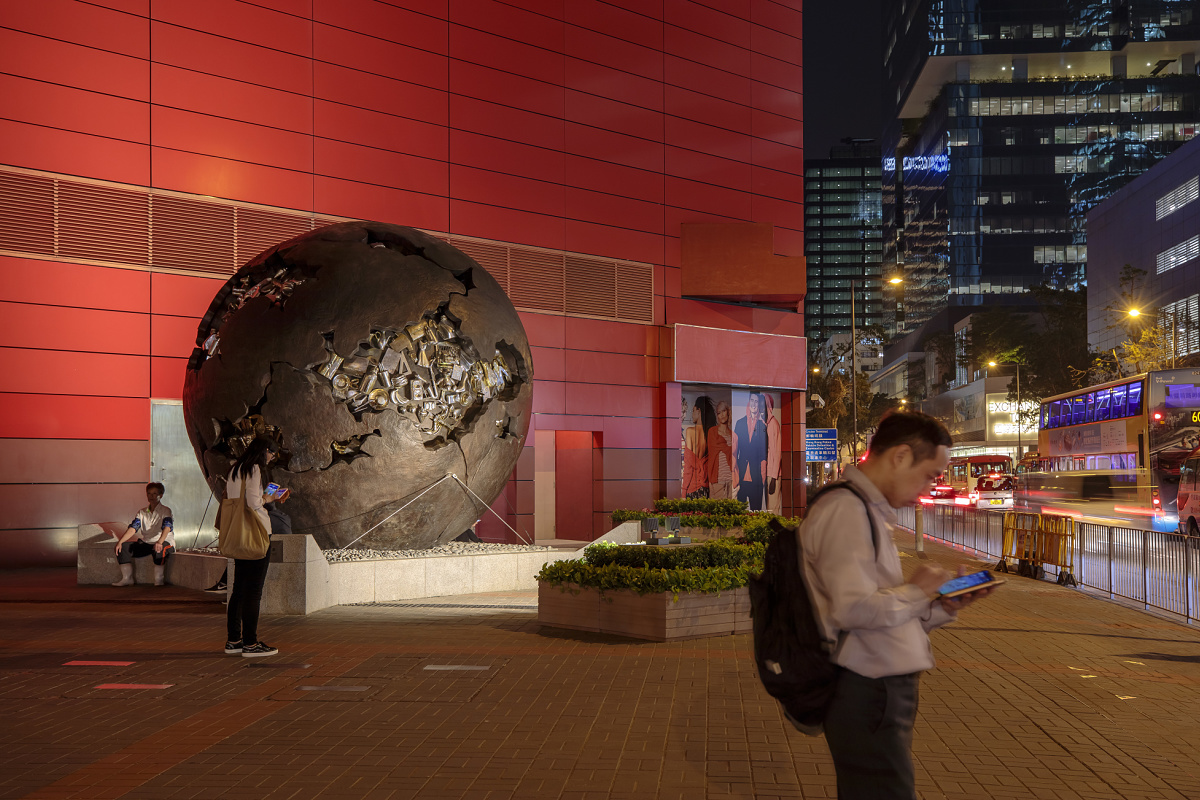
(1158, 570)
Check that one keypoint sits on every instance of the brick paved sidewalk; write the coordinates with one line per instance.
(1042, 691)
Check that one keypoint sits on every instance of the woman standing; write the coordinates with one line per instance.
(720, 455)
(695, 449)
(249, 575)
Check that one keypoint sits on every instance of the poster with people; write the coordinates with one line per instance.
(731, 446)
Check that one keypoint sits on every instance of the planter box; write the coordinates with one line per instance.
(708, 534)
(654, 617)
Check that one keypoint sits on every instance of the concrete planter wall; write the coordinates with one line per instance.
(652, 616)
(708, 534)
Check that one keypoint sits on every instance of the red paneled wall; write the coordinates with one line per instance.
(578, 125)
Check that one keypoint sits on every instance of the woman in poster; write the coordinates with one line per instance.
(750, 453)
(695, 448)
(774, 453)
(720, 455)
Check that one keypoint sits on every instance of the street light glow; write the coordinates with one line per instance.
(816, 370)
(894, 281)
(1133, 312)
(991, 363)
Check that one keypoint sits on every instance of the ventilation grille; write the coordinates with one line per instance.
(97, 221)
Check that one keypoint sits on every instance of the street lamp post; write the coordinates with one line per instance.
(854, 282)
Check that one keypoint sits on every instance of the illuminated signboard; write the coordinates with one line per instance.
(939, 163)
(1002, 418)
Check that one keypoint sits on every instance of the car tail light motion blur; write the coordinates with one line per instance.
(974, 495)
(1157, 415)
(961, 501)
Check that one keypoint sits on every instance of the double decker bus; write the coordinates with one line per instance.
(1113, 452)
(960, 481)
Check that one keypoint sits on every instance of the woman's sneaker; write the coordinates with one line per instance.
(258, 649)
(233, 648)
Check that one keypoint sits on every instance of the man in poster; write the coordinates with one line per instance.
(750, 453)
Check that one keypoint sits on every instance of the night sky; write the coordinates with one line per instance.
(843, 73)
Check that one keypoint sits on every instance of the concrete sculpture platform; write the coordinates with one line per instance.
(301, 581)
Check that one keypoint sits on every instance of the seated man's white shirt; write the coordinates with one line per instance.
(149, 525)
(859, 588)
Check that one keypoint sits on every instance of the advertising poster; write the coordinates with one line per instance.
(731, 446)
(1174, 410)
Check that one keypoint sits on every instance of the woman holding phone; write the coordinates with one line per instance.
(246, 479)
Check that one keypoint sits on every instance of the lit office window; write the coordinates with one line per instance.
(1174, 200)
(1183, 318)
(1179, 254)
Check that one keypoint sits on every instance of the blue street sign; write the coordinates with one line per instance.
(820, 444)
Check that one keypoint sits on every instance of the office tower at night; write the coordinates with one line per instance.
(843, 240)
(1006, 122)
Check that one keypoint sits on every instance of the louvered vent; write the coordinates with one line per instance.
(635, 292)
(591, 285)
(103, 223)
(257, 230)
(535, 279)
(51, 215)
(191, 234)
(492, 257)
(27, 213)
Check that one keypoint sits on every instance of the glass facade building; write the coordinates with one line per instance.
(1006, 123)
(843, 240)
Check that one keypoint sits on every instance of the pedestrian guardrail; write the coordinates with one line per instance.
(1159, 570)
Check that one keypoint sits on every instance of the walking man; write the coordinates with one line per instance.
(879, 621)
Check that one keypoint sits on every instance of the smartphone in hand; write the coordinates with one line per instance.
(966, 584)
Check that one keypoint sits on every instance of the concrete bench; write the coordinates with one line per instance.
(96, 562)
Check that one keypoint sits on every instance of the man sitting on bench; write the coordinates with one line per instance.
(152, 533)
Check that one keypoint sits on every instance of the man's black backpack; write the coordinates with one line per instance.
(793, 659)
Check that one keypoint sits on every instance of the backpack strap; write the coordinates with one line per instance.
(857, 493)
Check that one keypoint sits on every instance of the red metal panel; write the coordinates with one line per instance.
(40, 416)
(674, 282)
(634, 23)
(703, 108)
(172, 336)
(699, 166)
(544, 330)
(788, 242)
(615, 84)
(705, 138)
(603, 240)
(384, 131)
(139, 8)
(729, 28)
(217, 55)
(245, 22)
(238, 141)
(469, 114)
(549, 363)
(782, 157)
(781, 102)
(299, 8)
(609, 401)
(778, 17)
(573, 484)
(364, 52)
(73, 65)
(93, 374)
(611, 337)
(219, 177)
(232, 99)
(706, 79)
(500, 155)
(41, 103)
(497, 188)
(371, 165)
(519, 91)
(776, 44)
(604, 176)
(75, 329)
(622, 432)
(81, 23)
(629, 494)
(166, 377)
(183, 295)
(600, 49)
(780, 185)
(723, 56)
(608, 209)
(779, 129)
(543, 30)
(584, 140)
(26, 280)
(611, 368)
(780, 213)
(506, 224)
(775, 72)
(364, 201)
(380, 93)
(710, 355)
(704, 197)
(600, 112)
(387, 21)
(36, 147)
(549, 397)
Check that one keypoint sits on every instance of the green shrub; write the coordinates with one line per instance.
(719, 553)
(702, 505)
(758, 528)
(644, 580)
